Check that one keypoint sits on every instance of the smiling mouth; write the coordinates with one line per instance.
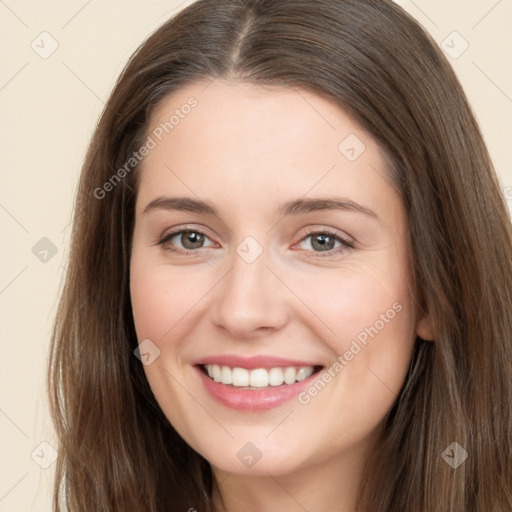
(258, 378)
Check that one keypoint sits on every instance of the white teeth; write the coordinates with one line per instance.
(240, 376)
(289, 375)
(226, 375)
(258, 378)
(216, 373)
(275, 377)
(304, 373)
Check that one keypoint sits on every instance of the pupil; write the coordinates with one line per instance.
(192, 240)
(323, 242)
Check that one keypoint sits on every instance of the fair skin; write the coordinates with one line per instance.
(246, 150)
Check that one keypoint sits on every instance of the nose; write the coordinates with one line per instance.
(250, 300)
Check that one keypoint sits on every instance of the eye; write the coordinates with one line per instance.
(326, 242)
(188, 240)
(185, 240)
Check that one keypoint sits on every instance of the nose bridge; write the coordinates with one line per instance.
(250, 297)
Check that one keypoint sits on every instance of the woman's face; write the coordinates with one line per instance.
(269, 244)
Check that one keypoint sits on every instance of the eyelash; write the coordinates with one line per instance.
(345, 243)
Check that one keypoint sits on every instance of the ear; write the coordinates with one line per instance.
(424, 328)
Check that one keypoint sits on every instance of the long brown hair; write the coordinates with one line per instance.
(118, 451)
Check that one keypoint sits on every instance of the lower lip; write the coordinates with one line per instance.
(253, 400)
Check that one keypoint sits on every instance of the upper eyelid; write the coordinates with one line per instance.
(176, 231)
(308, 231)
(202, 230)
(331, 231)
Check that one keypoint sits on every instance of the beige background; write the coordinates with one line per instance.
(49, 107)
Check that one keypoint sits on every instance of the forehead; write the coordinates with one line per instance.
(234, 113)
(241, 140)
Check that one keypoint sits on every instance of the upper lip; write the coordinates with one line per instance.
(251, 363)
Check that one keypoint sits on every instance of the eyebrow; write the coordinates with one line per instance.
(299, 206)
(295, 207)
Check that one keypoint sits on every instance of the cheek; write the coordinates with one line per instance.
(366, 319)
(350, 302)
(162, 297)
(152, 305)
(163, 310)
